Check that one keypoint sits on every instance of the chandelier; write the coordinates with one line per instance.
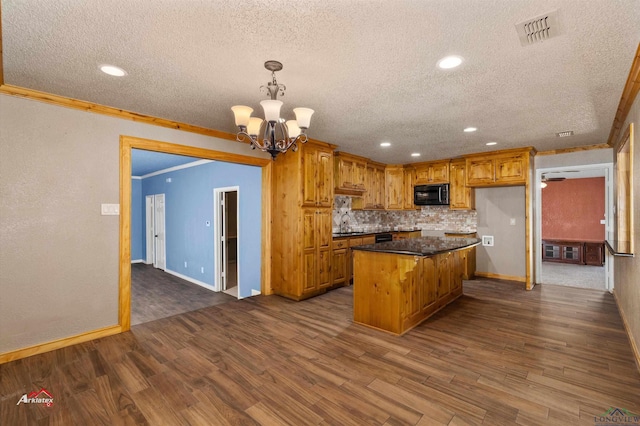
(278, 135)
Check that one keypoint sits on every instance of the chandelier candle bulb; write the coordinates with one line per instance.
(242, 114)
(294, 129)
(253, 128)
(303, 117)
(271, 109)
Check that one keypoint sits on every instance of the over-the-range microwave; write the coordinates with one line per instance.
(431, 195)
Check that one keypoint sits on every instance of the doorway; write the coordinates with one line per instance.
(226, 202)
(574, 272)
(156, 242)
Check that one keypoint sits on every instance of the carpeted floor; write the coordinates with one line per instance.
(584, 276)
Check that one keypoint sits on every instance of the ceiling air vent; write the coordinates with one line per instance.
(565, 134)
(537, 29)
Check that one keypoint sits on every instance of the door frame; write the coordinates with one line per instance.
(608, 211)
(130, 142)
(217, 235)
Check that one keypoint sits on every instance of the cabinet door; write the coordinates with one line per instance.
(323, 228)
(512, 169)
(359, 172)
(325, 179)
(457, 271)
(444, 275)
(324, 268)
(309, 283)
(370, 183)
(346, 173)
(480, 171)
(439, 173)
(430, 282)
(422, 175)
(394, 181)
(309, 176)
(380, 189)
(339, 266)
(407, 199)
(460, 194)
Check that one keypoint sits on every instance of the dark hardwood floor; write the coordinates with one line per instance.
(157, 294)
(498, 355)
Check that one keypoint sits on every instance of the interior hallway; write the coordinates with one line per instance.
(566, 274)
(156, 294)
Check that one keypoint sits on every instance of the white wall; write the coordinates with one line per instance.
(58, 255)
(496, 207)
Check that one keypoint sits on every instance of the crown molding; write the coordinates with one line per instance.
(629, 93)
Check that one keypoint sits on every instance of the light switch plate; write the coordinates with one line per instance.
(110, 209)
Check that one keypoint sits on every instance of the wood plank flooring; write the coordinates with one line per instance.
(157, 294)
(498, 355)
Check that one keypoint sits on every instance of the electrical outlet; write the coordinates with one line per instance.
(512, 221)
(185, 263)
(202, 270)
(487, 240)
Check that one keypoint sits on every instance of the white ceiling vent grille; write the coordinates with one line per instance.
(538, 29)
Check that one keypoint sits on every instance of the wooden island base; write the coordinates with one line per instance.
(396, 292)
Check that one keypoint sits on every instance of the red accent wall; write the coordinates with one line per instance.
(572, 209)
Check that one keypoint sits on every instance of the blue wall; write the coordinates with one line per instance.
(189, 205)
(138, 248)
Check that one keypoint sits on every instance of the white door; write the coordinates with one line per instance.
(149, 229)
(223, 234)
(160, 260)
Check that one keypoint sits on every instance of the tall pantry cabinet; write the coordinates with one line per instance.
(301, 226)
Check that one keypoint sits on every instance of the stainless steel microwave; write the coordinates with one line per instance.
(431, 195)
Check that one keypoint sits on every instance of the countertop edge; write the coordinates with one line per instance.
(372, 248)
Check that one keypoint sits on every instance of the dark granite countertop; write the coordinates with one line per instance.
(422, 246)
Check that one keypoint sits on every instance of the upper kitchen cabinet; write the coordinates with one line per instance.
(431, 172)
(462, 197)
(409, 176)
(349, 174)
(501, 168)
(394, 187)
(317, 176)
(374, 197)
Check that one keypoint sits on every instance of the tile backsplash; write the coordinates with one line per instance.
(432, 218)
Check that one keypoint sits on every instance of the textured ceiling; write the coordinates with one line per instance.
(368, 68)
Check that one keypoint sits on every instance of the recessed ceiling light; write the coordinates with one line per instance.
(113, 70)
(449, 62)
(492, 143)
(415, 154)
(385, 144)
(470, 129)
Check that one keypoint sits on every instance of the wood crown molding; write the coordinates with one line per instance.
(574, 149)
(629, 93)
(110, 111)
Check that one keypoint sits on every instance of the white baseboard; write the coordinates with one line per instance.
(138, 261)
(255, 292)
(191, 280)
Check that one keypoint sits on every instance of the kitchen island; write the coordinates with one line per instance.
(399, 284)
